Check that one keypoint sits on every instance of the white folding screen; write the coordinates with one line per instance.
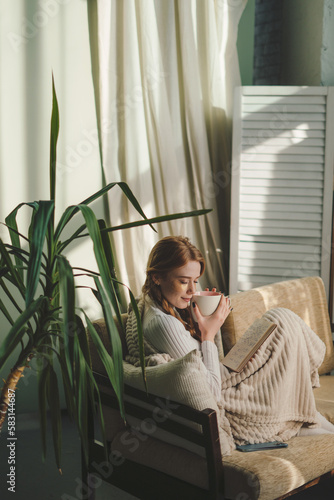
(282, 185)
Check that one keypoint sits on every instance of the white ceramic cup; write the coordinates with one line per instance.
(207, 302)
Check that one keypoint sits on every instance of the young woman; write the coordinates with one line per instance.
(262, 403)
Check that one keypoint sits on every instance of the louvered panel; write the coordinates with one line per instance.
(282, 239)
(249, 256)
(259, 215)
(262, 198)
(284, 119)
(275, 99)
(283, 142)
(284, 192)
(263, 222)
(282, 167)
(279, 207)
(272, 174)
(283, 134)
(277, 149)
(279, 272)
(272, 231)
(281, 193)
(261, 108)
(279, 125)
(253, 247)
(275, 183)
(277, 263)
(272, 158)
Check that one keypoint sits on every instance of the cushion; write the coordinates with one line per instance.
(100, 327)
(304, 296)
(273, 473)
(260, 475)
(324, 397)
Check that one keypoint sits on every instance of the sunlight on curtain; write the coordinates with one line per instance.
(164, 76)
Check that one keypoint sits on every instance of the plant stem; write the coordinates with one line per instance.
(9, 388)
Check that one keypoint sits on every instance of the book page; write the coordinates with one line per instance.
(248, 344)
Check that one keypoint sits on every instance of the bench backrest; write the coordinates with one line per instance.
(304, 296)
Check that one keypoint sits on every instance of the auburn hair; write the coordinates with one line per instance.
(168, 254)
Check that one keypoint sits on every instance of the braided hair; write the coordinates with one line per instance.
(168, 254)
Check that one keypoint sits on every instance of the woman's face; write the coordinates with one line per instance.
(179, 285)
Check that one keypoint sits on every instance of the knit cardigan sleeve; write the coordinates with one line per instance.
(168, 335)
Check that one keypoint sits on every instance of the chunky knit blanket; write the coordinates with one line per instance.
(152, 357)
(272, 396)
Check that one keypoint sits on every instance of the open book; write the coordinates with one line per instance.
(248, 344)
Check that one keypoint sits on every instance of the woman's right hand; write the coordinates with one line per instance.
(209, 325)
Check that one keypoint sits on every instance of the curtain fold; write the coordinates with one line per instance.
(164, 74)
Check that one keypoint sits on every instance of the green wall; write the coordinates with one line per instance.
(245, 43)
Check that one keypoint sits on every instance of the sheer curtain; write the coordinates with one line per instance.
(164, 73)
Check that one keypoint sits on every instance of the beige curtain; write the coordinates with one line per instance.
(164, 73)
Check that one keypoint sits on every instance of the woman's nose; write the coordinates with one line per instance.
(192, 287)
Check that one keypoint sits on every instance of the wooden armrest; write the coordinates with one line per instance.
(197, 427)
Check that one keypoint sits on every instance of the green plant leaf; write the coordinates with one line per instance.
(52, 394)
(82, 390)
(107, 359)
(68, 389)
(126, 190)
(38, 232)
(17, 331)
(67, 293)
(75, 235)
(14, 236)
(95, 406)
(53, 141)
(105, 238)
(13, 272)
(67, 215)
(21, 257)
(107, 248)
(83, 341)
(3, 270)
(42, 382)
(102, 351)
(14, 233)
(8, 293)
(71, 211)
(5, 312)
(102, 263)
(153, 220)
(156, 220)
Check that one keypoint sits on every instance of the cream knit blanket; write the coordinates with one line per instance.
(272, 397)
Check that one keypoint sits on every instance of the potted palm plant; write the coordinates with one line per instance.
(40, 285)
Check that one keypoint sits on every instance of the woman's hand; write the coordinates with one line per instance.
(209, 325)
